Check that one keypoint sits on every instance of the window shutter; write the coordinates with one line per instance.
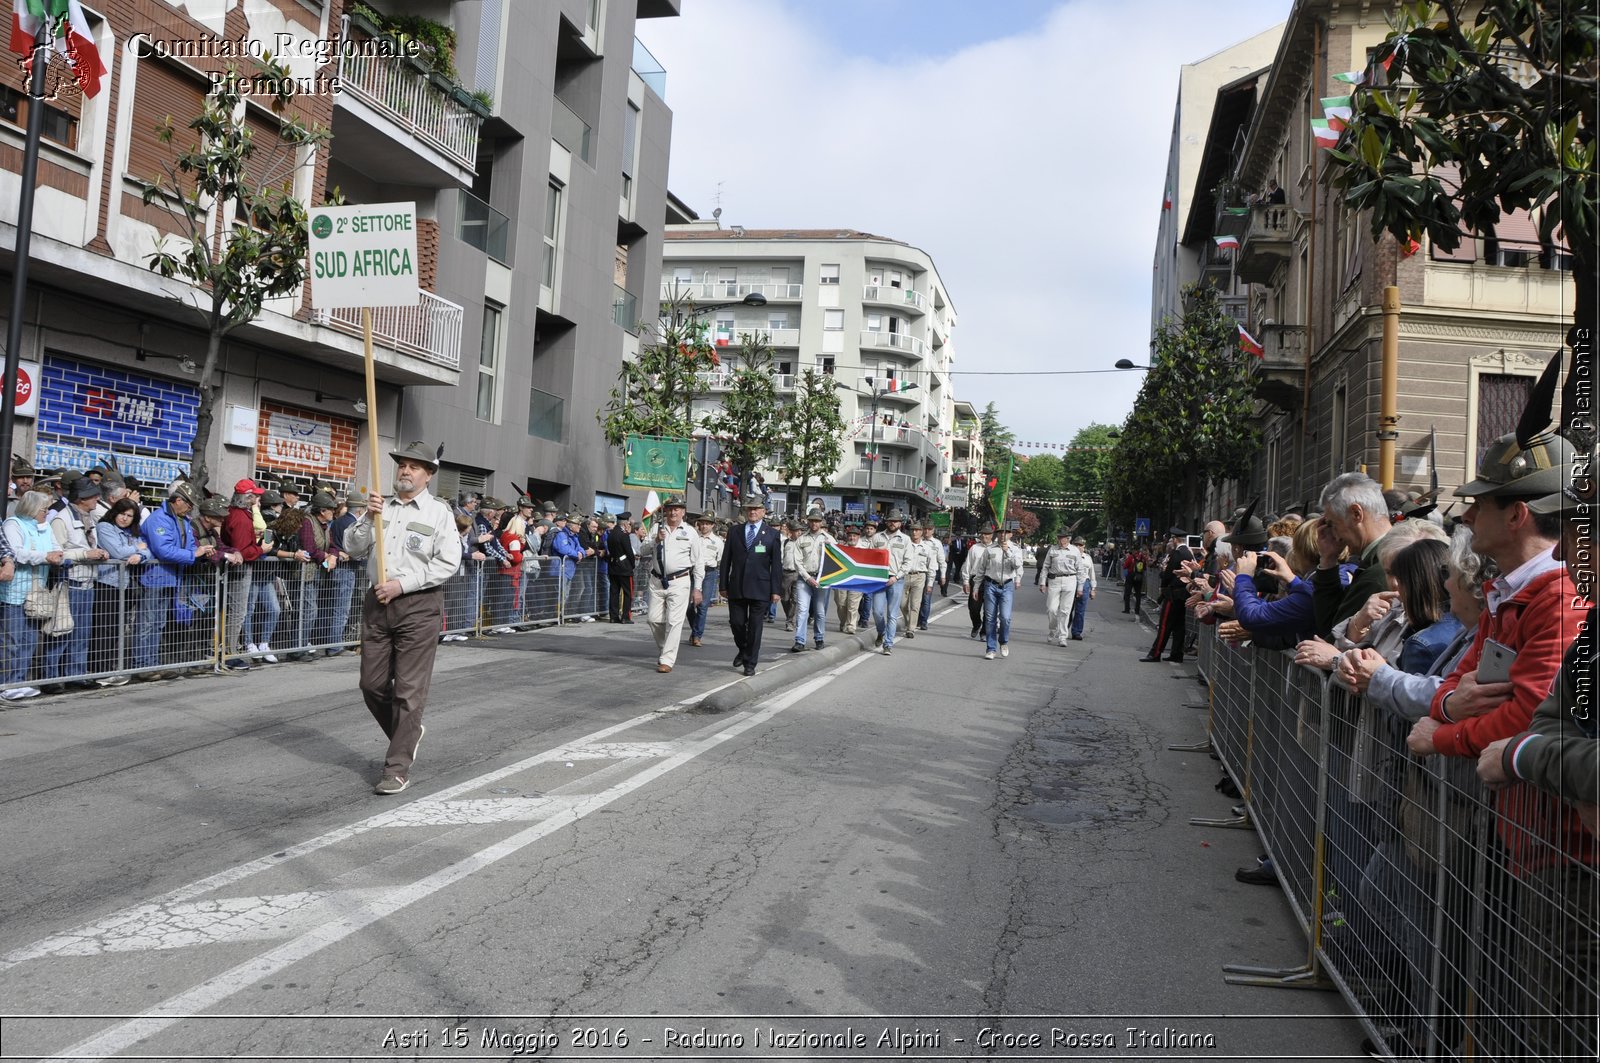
(161, 90)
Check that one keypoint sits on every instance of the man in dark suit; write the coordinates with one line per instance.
(752, 577)
(1174, 595)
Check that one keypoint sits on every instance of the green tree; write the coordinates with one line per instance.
(1041, 477)
(1086, 469)
(813, 438)
(993, 434)
(655, 391)
(1509, 102)
(241, 233)
(1191, 424)
(746, 425)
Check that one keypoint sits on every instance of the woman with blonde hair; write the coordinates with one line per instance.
(1283, 623)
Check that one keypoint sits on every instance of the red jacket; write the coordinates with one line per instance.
(1539, 623)
(239, 533)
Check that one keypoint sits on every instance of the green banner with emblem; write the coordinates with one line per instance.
(656, 461)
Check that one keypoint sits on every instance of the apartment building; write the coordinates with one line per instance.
(1212, 94)
(1476, 327)
(536, 155)
(868, 310)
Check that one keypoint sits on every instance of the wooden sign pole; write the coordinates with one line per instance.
(372, 435)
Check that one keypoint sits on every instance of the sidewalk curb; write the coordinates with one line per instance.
(763, 683)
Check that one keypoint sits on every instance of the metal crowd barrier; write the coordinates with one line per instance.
(269, 611)
(1459, 924)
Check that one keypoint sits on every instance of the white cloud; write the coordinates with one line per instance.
(1030, 167)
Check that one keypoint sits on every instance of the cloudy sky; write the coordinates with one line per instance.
(1021, 143)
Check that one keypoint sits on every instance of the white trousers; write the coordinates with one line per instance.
(667, 610)
(1059, 594)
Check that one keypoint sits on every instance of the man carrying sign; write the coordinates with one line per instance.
(402, 613)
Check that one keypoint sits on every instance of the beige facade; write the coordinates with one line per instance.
(870, 311)
(1476, 325)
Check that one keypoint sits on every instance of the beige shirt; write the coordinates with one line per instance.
(681, 550)
(901, 551)
(711, 547)
(421, 547)
(808, 553)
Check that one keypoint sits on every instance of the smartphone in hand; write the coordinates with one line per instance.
(1494, 664)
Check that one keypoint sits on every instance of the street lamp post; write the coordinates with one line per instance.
(1124, 363)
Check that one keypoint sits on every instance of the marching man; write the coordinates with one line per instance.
(811, 601)
(676, 569)
(1058, 582)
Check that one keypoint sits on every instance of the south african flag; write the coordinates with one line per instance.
(853, 568)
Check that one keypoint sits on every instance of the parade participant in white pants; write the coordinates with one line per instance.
(1057, 580)
(675, 565)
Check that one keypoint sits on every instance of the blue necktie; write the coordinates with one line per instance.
(749, 536)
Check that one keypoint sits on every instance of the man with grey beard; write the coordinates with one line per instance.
(401, 614)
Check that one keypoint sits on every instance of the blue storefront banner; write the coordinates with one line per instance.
(147, 470)
(90, 412)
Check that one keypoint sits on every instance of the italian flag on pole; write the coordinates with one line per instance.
(69, 31)
(1227, 243)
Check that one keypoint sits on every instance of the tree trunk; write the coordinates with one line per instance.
(204, 417)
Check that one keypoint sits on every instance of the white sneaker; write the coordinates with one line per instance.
(588, 620)
(266, 653)
(1005, 650)
(18, 693)
(251, 647)
(989, 656)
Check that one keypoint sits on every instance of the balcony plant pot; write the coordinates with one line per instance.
(470, 101)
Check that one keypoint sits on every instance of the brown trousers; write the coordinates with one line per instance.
(398, 644)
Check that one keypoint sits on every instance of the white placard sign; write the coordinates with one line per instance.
(364, 255)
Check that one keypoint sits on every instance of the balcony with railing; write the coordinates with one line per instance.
(431, 330)
(1267, 244)
(571, 132)
(481, 226)
(624, 307)
(716, 291)
(887, 482)
(399, 124)
(1279, 373)
(649, 69)
(889, 294)
(898, 342)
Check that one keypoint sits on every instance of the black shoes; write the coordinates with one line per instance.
(738, 662)
(1260, 875)
(797, 648)
(1149, 660)
(749, 669)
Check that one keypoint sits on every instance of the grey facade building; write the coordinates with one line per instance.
(536, 155)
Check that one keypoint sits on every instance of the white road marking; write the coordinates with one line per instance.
(371, 906)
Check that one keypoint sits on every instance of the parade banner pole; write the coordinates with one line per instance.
(19, 259)
(372, 434)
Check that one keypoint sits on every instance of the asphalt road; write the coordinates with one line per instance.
(923, 856)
